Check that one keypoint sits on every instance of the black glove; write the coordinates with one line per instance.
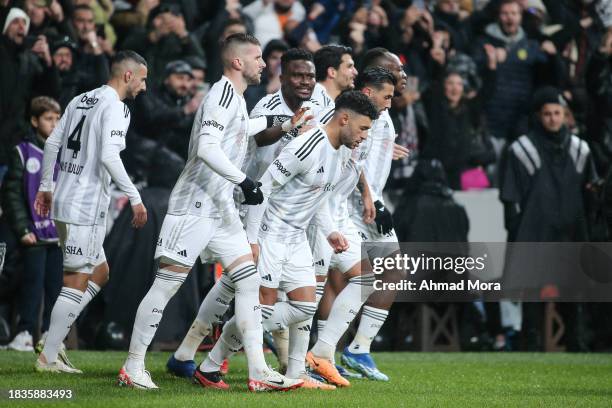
(384, 220)
(251, 191)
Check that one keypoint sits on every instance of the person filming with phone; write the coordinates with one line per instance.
(26, 69)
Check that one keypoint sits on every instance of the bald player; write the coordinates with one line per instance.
(90, 135)
(202, 216)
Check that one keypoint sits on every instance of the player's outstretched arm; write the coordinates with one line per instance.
(269, 129)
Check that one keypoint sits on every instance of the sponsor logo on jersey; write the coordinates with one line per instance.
(213, 123)
(89, 101)
(73, 250)
(321, 170)
(118, 133)
(281, 168)
(158, 311)
(223, 302)
(72, 168)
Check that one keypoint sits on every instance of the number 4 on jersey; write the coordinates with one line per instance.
(74, 140)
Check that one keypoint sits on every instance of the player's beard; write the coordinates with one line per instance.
(254, 79)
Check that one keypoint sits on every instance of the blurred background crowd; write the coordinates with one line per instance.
(479, 73)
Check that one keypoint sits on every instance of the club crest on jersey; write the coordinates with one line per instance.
(281, 168)
(213, 123)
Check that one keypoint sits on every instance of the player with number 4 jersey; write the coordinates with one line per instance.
(89, 138)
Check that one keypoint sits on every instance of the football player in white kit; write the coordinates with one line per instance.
(335, 73)
(297, 184)
(289, 109)
(378, 84)
(202, 215)
(90, 135)
(376, 170)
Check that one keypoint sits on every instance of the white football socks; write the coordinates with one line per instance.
(342, 313)
(211, 311)
(149, 314)
(65, 311)
(371, 321)
(299, 338)
(248, 315)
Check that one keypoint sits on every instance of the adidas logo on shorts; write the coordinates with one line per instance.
(267, 277)
(320, 263)
(182, 253)
(321, 170)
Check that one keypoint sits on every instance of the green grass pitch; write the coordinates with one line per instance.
(417, 380)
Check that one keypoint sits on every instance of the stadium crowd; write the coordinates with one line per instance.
(480, 73)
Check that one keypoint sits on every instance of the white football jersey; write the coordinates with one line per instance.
(320, 95)
(327, 104)
(305, 174)
(338, 203)
(200, 191)
(377, 161)
(260, 157)
(90, 121)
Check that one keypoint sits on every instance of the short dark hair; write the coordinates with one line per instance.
(128, 55)
(502, 3)
(374, 77)
(42, 104)
(81, 7)
(372, 57)
(125, 56)
(357, 102)
(329, 56)
(239, 38)
(295, 54)
(233, 21)
(274, 45)
(233, 40)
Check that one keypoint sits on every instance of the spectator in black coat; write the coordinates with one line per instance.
(520, 63)
(165, 39)
(599, 85)
(74, 79)
(26, 70)
(428, 211)
(166, 114)
(455, 133)
(90, 58)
